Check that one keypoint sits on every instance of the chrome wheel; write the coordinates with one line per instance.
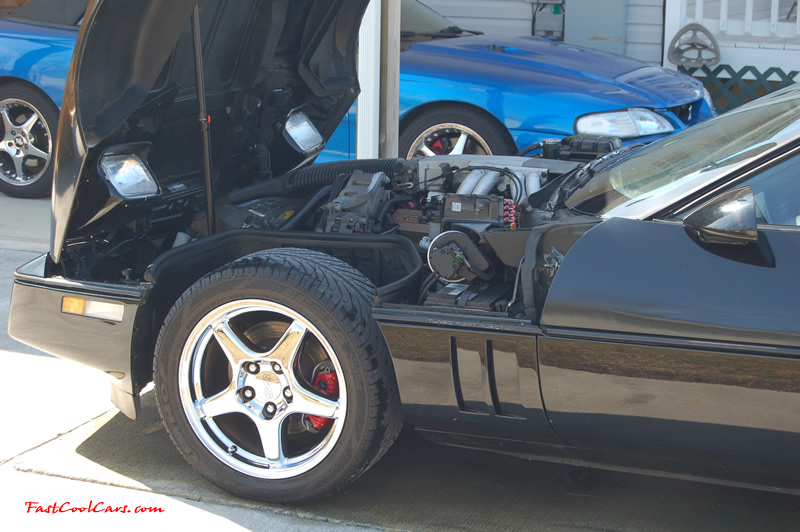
(273, 379)
(262, 389)
(27, 143)
(448, 139)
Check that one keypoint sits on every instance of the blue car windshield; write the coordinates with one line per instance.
(59, 12)
(417, 18)
(654, 177)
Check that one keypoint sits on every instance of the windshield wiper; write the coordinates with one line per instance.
(596, 166)
(450, 31)
(575, 179)
(458, 31)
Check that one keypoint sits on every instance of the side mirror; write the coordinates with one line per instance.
(729, 218)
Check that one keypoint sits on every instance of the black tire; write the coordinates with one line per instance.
(26, 155)
(438, 129)
(267, 301)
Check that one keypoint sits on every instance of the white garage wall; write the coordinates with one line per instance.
(513, 17)
(645, 26)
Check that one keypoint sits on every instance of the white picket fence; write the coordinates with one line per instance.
(746, 18)
(761, 33)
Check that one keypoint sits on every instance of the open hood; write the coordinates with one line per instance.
(132, 82)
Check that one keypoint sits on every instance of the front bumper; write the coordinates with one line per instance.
(36, 319)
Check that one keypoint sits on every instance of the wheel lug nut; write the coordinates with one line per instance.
(287, 393)
(269, 410)
(252, 368)
(247, 393)
(276, 367)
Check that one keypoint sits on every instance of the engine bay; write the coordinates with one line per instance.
(174, 159)
(466, 216)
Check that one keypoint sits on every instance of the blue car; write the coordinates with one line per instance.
(36, 43)
(463, 92)
(460, 92)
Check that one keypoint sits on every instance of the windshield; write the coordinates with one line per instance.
(61, 12)
(419, 18)
(652, 178)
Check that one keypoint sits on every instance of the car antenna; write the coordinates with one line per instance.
(205, 118)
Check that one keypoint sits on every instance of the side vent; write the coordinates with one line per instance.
(485, 376)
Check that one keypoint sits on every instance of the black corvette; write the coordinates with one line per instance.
(636, 311)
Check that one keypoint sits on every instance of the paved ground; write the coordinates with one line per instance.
(64, 443)
(24, 224)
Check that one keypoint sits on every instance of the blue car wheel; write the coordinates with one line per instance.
(29, 122)
(454, 130)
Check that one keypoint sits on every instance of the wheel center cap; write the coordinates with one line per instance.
(19, 141)
(271, 386)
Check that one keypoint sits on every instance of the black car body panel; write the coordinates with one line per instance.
(104, 344)
(615, 340)
(606, 284)
(489, 368)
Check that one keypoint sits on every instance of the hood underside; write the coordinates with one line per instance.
(133, 80)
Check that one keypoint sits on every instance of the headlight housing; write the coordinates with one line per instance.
(630, 123)
(128, 176)
(709, 100)
(301, 134)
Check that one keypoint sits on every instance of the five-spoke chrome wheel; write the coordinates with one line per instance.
(272, 377)
(27, 142)
(28, 122)
(261, 422)
(448, 139)
(453, 129)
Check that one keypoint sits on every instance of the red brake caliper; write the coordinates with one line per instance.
(328, 384)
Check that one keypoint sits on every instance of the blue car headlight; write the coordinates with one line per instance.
(710, 101)
(630, 123)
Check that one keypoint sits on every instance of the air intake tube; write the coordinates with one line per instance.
(311, 178)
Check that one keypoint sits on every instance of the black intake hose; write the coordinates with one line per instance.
(319, 198)
(310, 178)
(397, 200)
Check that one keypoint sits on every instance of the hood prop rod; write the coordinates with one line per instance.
(205, 118)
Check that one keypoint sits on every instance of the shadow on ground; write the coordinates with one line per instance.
(422, 486)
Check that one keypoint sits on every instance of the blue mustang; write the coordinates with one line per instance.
(460, 92)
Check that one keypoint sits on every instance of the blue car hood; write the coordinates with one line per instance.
(525, 59)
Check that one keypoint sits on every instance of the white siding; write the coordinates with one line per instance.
(493, 17)
(645, 27)
(513, 17)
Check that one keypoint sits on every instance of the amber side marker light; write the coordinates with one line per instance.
(92, 309)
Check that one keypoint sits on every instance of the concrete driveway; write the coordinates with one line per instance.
(65, 443)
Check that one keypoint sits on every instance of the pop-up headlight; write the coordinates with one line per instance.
(302, 135)
(129, 176)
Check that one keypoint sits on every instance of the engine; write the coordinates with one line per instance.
(461, 212)
(467, 216)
